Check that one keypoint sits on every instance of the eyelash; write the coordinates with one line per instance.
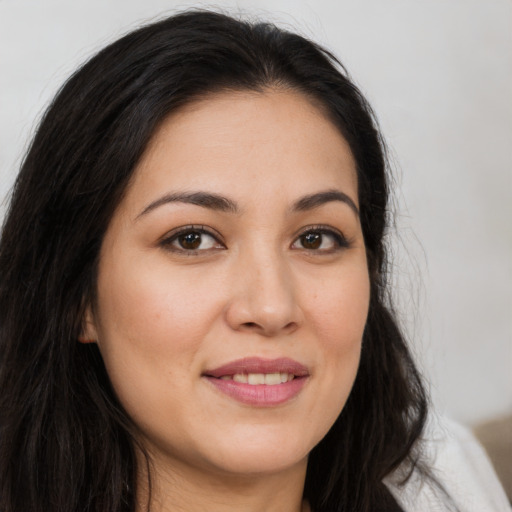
(339, 239)
(167, 242)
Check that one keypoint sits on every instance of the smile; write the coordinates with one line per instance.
(269, 379)
(259, 382)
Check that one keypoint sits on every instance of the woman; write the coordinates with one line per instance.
(193, 302)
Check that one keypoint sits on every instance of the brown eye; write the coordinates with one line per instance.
(190, 241)
(321, 240)
(311, 240)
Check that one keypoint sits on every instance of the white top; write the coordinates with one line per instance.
(461, 465)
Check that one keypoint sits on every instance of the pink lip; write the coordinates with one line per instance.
(260, 395)
(259, 365)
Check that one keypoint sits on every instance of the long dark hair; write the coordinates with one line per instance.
(66, 444)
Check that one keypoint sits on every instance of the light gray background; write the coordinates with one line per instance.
(439, 75)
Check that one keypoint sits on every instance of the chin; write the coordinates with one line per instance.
(262, 463)
(260, 453)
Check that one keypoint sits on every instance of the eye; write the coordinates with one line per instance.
(191, 240)
(320, 239)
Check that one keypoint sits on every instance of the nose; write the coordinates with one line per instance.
(264, 297)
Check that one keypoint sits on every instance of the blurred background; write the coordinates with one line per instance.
(439, 76)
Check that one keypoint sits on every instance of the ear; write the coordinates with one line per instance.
(89, 333)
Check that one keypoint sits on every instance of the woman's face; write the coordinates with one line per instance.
(233, 287)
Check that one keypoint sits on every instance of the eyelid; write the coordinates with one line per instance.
(342, 241)
(172, 235)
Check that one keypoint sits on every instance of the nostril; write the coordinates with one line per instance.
(291, 326)
(268, 329)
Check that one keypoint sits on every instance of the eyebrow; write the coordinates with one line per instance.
(315, 200)
(224, 204)
(204, 199)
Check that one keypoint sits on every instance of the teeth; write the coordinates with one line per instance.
(270, 379)
(255, 378)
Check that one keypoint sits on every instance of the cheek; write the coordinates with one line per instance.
(338, 313)
(150, 324)
(338, 307)
(153, 307)
(151, 328)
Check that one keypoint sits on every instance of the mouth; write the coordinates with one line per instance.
(255, 379)
(259, 382)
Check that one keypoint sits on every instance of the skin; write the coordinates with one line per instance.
(255, 286)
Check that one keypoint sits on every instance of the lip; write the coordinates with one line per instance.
(259, 365)
(260, 395)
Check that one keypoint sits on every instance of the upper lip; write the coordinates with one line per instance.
(259, 365)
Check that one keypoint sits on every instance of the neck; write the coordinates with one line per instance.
(180, 489)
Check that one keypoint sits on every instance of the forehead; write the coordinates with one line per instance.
(241, 142)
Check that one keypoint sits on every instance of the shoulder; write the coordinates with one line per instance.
(460, 465)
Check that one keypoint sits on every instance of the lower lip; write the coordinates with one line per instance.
(260, 395)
